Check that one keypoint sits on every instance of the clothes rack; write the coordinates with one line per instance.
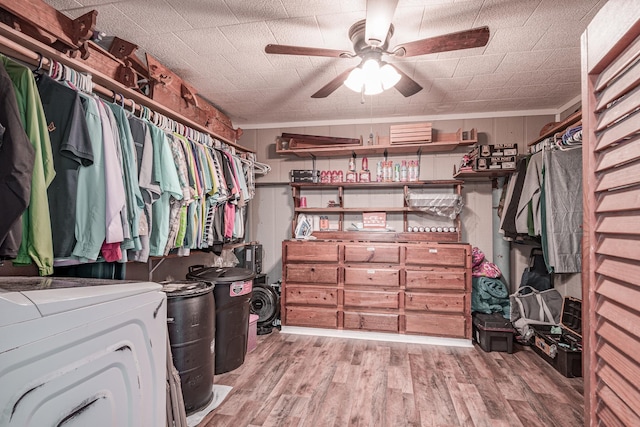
(21, 47)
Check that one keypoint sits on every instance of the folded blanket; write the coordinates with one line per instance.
(489, 295)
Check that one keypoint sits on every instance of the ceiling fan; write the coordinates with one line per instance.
(370, 38)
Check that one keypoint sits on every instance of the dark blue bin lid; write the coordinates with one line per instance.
(221, 275)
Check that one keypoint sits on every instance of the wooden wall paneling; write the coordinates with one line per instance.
(611, 246)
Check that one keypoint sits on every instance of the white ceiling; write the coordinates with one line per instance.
(531, 63)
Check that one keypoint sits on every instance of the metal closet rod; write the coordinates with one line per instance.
(16, 50)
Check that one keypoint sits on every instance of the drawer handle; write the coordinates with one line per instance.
(371, 272)
(433, 251)
(371, 249)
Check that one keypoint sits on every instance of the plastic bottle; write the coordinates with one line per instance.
(412, 171)
(403, 171)
(365, 164)
(352, 164)
(396, 173)
(379, 173)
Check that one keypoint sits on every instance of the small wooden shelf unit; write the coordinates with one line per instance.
(297, 189)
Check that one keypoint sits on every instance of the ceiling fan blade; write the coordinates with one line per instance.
(407, 86)
(333, 85)
(379, 16)
(307, 51)
(475, 37)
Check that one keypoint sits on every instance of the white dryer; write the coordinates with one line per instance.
(82, 352)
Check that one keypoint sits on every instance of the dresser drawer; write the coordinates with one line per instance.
(436, 324)
(311, 274)
(310, 252)
(437, 278)
(370, 299)
(385, 322)
(454, 255)
(432, 301)
(311, 316)
(372, 253)
(311, 295)
(388, 277)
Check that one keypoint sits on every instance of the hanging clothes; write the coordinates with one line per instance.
(170, 186)
(115, 199)
(563, 210)
(530, 199)
(508, 224)
(71, 148)
(16, 168)
(134, 199)
(176, 205)
(91, 195)
(37, 244)
(147, 182)
(124, 215)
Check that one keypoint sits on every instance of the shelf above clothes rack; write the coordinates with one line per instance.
(22, 47)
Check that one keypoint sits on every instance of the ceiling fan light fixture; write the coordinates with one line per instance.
(371, 78)
(373, 88)
(355, 80)
(389, 76)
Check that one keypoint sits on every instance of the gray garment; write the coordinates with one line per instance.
(530, 193)
(149, 187)
(507, 200)
(563, 205)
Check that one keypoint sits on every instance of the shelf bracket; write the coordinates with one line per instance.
(386, 155)
(313, 164)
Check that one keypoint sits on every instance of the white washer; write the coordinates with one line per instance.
(82, 352)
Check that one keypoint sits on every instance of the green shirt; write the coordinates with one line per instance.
(37, 244)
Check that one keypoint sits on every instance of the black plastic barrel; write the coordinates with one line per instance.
(232, 291)
(191, 324)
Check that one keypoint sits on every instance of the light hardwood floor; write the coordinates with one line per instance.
(294, 380)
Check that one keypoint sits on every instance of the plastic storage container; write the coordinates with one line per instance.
(493, 332)
(191, 324)
(252, 340)
(232, 292)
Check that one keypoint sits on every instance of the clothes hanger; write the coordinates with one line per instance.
(52, 68)
(39, 67)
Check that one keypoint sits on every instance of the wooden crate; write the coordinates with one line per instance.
(415, 133)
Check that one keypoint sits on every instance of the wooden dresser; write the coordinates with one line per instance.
(401, 287)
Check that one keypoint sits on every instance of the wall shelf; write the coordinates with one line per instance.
(442, 142)
(405, 210)
(571, 120)
(471, 175)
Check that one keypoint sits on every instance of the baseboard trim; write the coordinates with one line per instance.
(377, 336)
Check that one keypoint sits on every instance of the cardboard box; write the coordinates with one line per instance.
(375, 220)
(304, 175)
(494, 163)
(494, 150)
